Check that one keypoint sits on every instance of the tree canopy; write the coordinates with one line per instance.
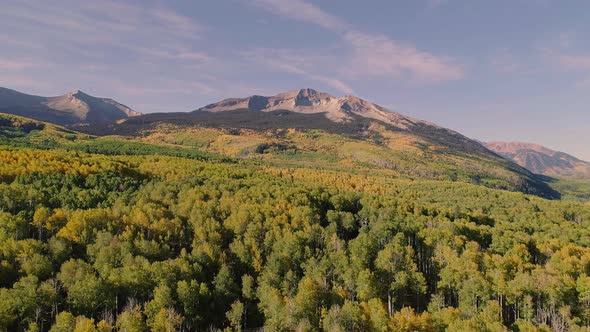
(92, 242)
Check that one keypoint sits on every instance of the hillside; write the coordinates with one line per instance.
(541, 160)
(105, 238)
(305, 128)
(20, 132)
(17, 131)
(71, 108)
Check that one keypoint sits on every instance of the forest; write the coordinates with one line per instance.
(107, 237)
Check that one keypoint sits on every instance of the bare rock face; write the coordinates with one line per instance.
(71, 108)
(541, 160)
(309, 101)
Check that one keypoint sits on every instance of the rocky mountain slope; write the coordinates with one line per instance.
(309, 101)
(71, 108)
(541, 160)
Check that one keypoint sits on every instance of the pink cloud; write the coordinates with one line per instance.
(299, 63)
(371, 55)
(302, 11)
(379, 55)
(165, 86)
(16, 65)
(575, 62)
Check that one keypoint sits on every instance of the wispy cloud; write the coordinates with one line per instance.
(565, 52)
(99, 23)
(569, 61)
(115, 45)
(164, 86)
(574, 61)
(18, 64)
(102, 18)
(379, 55)
(371, 54)
(170, 53)
(302, 63)
(303, 11)
(433, 4)
(176, 22)
(328, 80)
(503, 61)
(23, 82)
(6, 39)
(579, 64)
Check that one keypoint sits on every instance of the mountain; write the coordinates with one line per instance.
(307, 109)
(71, 108)
(309, 101)
(541, 160)
(306, 128)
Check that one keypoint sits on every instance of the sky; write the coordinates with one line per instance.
(515, 70)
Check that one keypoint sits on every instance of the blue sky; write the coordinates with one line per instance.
(492, 70)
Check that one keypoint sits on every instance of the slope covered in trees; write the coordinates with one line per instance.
(324, 144)
(92, 240)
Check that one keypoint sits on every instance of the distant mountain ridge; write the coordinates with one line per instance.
(541, 160)
(71, 108)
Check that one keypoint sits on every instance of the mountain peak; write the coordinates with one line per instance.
(303, 97)
(541, 160)
(307, 92)
(74, 107)
(309, 101)
(78, 93)
(514, 147)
